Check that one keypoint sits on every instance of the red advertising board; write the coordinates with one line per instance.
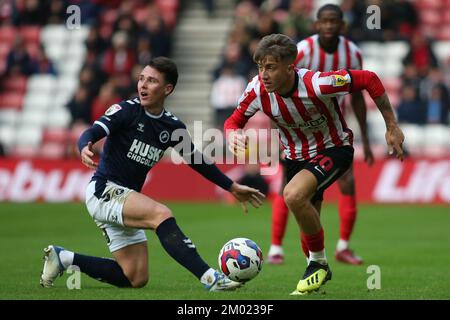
(387, 181)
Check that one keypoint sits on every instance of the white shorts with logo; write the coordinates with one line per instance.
(107, 214)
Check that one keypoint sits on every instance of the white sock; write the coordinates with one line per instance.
(66, 258)
(342, 245)
(318, 256)
(208, 277)
(275, 249)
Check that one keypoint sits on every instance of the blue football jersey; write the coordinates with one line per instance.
(136, 141)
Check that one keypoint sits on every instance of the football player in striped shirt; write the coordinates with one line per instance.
(315, 137)
(328, 51)
(137, 132)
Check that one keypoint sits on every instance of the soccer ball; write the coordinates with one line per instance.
(240, 259)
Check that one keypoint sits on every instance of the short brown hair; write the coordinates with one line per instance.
(279, 46)
(167, 67)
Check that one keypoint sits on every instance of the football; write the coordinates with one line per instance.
(240, 259)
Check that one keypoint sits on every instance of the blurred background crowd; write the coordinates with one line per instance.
(56, 80)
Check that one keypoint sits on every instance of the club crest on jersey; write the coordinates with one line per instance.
(113, 109)
(164, 136)
(339, 81)
(312, 112)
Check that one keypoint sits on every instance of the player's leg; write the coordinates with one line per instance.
(303, 195)
(105, 204)
(58, 259)
(280, 213)
(140, 211)
(133, 260)
(298, 195)
(304, 245)
(347, 214)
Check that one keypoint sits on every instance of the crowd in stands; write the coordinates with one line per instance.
(124, 35)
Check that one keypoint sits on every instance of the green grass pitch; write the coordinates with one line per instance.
(410, 244)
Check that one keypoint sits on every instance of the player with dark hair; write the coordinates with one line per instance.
(315, 138)
(138, 132)
(328, 51)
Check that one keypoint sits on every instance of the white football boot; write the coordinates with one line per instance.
(222, 283)
(52, 266)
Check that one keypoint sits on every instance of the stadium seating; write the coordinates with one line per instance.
(29, 106)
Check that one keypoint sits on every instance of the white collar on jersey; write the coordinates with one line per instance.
(153, 116)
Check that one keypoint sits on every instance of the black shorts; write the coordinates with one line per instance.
(327, 166)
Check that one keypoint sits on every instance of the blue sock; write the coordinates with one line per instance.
(102, 269)
(180, 247)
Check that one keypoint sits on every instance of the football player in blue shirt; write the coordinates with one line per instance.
(138, 132)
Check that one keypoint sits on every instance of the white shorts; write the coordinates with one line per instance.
(107, 214)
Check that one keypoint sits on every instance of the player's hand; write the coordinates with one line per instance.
(237, 142)
(368, 154)
(395, 138)
(245, 193)
(87, 154)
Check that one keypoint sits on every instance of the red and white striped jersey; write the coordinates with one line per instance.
(308, 121)
(312, 56)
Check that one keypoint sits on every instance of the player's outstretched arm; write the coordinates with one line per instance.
(246, 194)
(394, 135)
(363, 79)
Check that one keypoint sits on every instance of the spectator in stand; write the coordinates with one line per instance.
(89, 11)
(411, 109)
(80, 111)
(265, 25)
(434, 90)
(96, 45)
(410, 77)
(247, 13)
(120, 59)
(18, 60)
(437, 109)
(240, 33)
(33, 13)
(155, 30)
(91, 78)
(106, 98)
(80, 107)
(406, 18)
(127, 24)
(233, 58)
(57, 12)
(297, 24)
(128, 90)
(41, 64)
(421, 54)
(8, 12)
(225, 94)
(356, 17)
(144, 50)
